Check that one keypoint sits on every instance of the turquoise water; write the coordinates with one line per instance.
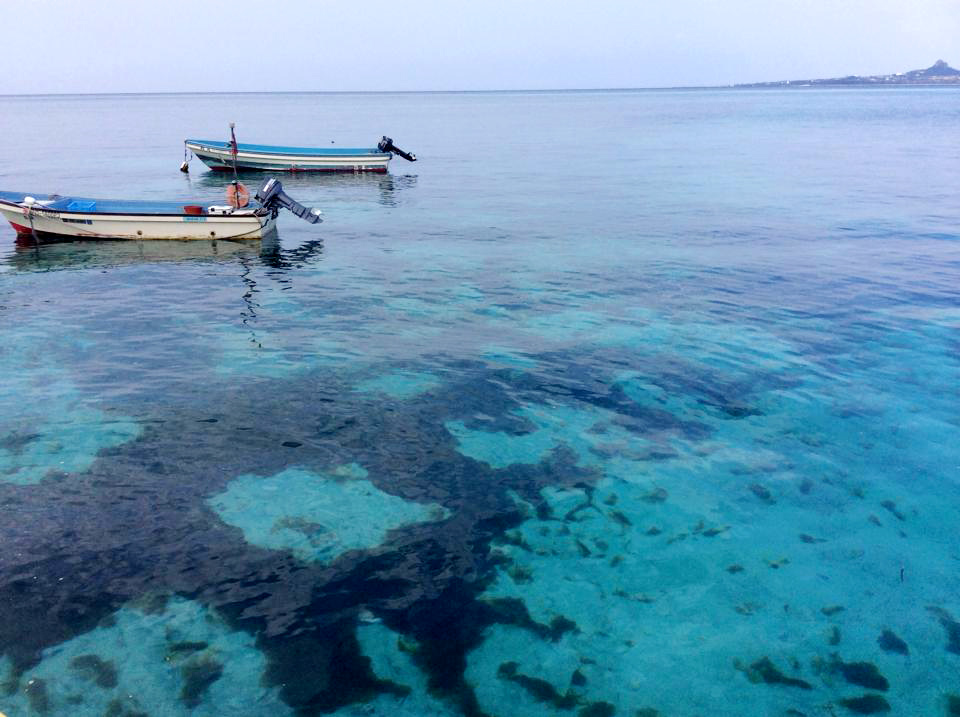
(615, 403)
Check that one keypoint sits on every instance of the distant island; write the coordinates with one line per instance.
(939, 73)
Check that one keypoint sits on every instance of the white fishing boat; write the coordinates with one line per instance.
(57, 217)
(234, 156)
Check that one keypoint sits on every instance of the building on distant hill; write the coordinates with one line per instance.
(939, 73)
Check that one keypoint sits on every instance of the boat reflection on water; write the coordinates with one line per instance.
(320, 188)
(28, 256)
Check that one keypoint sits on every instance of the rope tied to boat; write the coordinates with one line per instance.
(29, 202)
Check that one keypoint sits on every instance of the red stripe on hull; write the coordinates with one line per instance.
(378, 170)
(20, 229)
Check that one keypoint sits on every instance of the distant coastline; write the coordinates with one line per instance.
(939, 73)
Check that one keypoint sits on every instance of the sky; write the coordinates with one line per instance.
(66, 46)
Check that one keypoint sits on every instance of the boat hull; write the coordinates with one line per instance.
(47, 223)
(220, 158)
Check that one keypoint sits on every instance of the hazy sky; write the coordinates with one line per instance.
(176, 45)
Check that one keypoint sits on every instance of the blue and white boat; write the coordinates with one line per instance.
(53, 216)
(230, 156)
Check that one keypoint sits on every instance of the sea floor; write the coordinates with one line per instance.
(558, 446)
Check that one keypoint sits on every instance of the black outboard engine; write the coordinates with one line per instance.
(271, 196)
(386, 145)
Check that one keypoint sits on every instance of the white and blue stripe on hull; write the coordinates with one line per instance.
(219, 156)
(44, 221)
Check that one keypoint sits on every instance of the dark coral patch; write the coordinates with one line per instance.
(765, 671)
(891, 507)
(890, 642)
(951, 626)
(198, 675)
(864, 674)
(117, 708)
(763, 493)
(866, 705)
(101, 672)
(186, 647)
(953, 706)
(540, 690)
(657, 495)
(597, 709)
(36, 691)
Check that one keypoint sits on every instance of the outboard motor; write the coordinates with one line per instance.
(271, 196)
(386, 145)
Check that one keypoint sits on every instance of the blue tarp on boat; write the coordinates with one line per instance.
(272, 149)
(58, 203)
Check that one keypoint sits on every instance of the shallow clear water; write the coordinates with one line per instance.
(635, 403)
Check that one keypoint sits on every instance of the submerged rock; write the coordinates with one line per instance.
(36, 692)
(577, 679)
(100, 672)
(953, 706)
(950, 626)
(119, 708)
(889, 642)
(540, 690)
(762, 492)
(597, 709)
(395, 662)
(864, 674)
(657, 495)
(763, 670)
(198, 675)
(866, 705)
(891, 508)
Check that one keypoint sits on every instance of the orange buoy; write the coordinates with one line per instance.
(237, 195)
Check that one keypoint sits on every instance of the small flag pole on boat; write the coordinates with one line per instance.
(233, 151)
(238, 196)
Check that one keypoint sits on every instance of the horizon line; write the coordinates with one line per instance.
(363, 92)
(738, 86)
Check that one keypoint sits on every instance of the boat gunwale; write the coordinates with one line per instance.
(282, 151)
(45, 212)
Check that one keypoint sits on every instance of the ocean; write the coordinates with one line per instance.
(635, 403)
